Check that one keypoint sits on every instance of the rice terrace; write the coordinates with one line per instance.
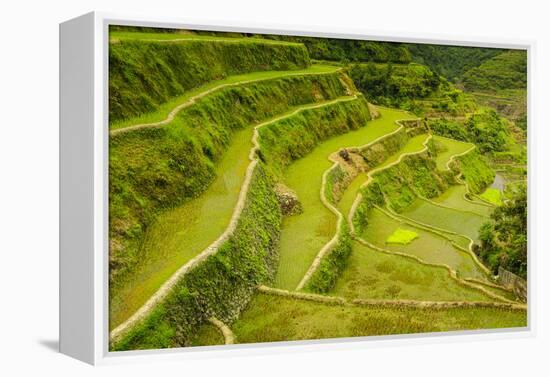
(273, 188)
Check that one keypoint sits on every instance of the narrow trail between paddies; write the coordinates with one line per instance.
(304, 235)
(194, 244)
(168, 111)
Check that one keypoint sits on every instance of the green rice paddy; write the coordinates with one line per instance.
(461, 222)
(453, 197)
(373, 274)
(429, 247)
(303, 235)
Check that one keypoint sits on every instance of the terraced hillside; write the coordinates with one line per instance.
(257, 196)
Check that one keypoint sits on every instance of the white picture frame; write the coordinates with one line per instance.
(84, 198)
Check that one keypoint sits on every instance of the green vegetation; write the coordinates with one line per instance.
(451, 61)
(402, 237)
(332, 265)
(447, 148)
(504, 241)
(273, 318)
(507, 70)
(223, 284)
(230, 108)
(166, 107)
(475, 171)
(492, 195)
(289, 139)
(155, 170)
(489, 131)
(179, 234)
(412, 87)
(414, 144)
(207, 335)
(349, 50)
(454, 197)
(303, 235)
(449, 128)
(401, 184)
(373, 274)
(144, 73)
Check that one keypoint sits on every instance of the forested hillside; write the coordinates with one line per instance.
(507, 70)
(451, 61)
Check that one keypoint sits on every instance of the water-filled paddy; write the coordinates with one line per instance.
(428, 246)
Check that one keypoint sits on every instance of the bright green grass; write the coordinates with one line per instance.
(467, 223)
(492, 195)
(402, 237)
(273, 318)
(414, 144)
(452, 147)
(429, 247)
(183, 37)
(373, 274)
(453, 197)
(180, 234)
(167, 107)
(303, 235)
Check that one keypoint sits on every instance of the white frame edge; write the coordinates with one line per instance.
(84, 214)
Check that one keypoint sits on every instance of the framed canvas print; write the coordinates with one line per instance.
(224, 187)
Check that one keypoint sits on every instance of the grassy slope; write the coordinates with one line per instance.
(273, 318)
(164, 109)
(145, 73)
(303, 235)
(372, 274)
(428, 246)
(155, 170)
(181, 233)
